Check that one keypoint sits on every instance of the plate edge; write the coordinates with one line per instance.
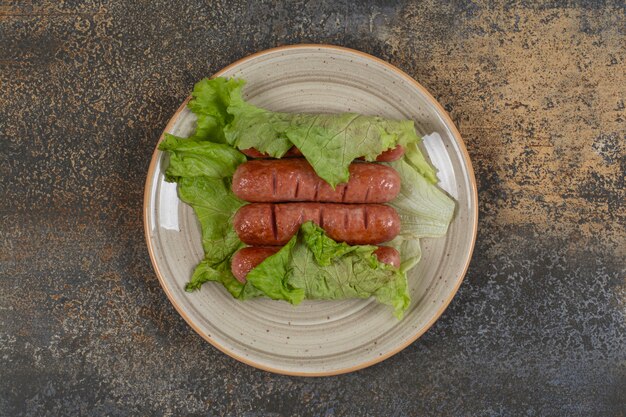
(474, 193)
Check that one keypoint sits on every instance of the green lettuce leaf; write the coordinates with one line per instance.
(210, 101)
(254, 127)
(271, 276)
(203, 171)
(193, 158)
(294, 273)
(214, 205)
(330, 142)
(424, 209)
(220, 272)
(414, 157)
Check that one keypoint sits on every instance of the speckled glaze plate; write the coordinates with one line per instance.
(317, 337)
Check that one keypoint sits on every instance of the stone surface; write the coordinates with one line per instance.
(537, 91)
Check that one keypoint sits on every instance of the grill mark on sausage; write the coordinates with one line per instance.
(274, 183)
(317, 191)
(321, 219)
(367, 194)
(297, 187)
(365, 216)
(345, 219)
(344, 192)
(273, 222)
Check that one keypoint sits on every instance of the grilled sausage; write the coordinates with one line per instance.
(247, 258)
(389, 155)
(274, 224)
(276, 180)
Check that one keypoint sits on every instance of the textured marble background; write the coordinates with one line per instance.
(537, 91)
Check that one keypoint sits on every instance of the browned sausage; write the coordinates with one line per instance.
(247, 258)
(276, 180)
(388, 255)
(356, 224)
(389, 155)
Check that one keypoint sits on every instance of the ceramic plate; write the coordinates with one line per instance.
(317, 337)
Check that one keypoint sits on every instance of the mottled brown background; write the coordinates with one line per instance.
(537, 91)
